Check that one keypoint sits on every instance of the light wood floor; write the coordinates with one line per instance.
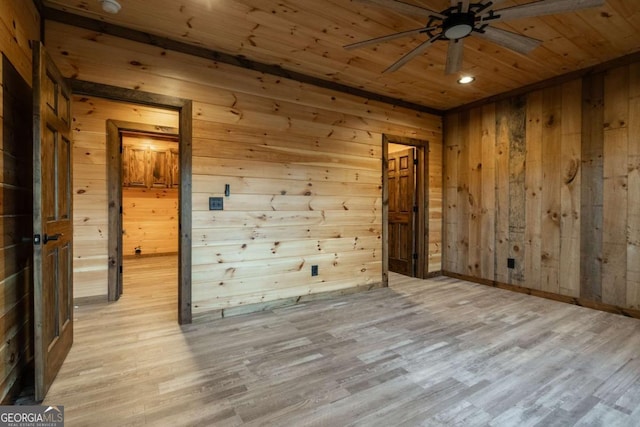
(439, 353)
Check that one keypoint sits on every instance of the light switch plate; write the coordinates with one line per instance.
(216, 203)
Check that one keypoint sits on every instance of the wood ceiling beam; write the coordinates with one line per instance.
(56, 15)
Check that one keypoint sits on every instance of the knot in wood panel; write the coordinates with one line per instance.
(571, 171)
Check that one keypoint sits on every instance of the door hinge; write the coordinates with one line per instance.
(120, 269)
(415, 209)
(120, 209)
(415, 162)
(415, 256)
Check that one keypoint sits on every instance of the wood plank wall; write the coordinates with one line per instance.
(90, 209)
(150, 221)
(550, 179)
(19, 23)
(434, 243)
(303, 165)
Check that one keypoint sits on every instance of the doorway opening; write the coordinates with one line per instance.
(405, 206)
(402, 209)
(184, 107)
(150, 181)
(144, 182)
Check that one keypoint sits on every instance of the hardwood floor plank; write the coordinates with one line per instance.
(437, 352)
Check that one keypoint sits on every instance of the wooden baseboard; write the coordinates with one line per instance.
(280, 303)
(96, 299)
(149, 255)
(609, 308)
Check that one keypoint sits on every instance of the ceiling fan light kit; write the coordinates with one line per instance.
(464, 19)
(458, 25)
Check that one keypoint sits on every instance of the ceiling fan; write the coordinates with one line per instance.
(465, 18)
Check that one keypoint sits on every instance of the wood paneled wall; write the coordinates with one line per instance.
(550, 179)
(434, 247)
(90, 210)
(303, 165)
(19, 23)
(150, 221)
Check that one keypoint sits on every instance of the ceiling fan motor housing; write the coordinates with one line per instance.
(458, 25)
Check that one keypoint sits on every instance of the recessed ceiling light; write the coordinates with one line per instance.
(466, 80)
(110, 6)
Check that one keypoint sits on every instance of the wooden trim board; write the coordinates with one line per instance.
(280, 303)
(96, 299)
(385, 212)
(115, 93)
(114, 197)
(609, 308)
(185, 203)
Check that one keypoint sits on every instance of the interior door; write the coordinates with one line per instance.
(52, 220)
(401, 211)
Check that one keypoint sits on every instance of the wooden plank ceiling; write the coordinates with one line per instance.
(307, 36)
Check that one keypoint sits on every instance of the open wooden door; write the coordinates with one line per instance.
(52, 220)
(401, 211)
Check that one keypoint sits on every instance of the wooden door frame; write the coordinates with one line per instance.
(115, 129)
(184, 107)
(422, 201)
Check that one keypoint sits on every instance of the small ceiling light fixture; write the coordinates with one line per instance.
(465, 80)
(110, 6)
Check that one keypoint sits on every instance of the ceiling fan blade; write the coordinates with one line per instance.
(513, 41)
(544, 7)
(409, 56)
(386, 38)
(405, 8)
(454, 56)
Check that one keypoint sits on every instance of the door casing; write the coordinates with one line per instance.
(185, 110)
